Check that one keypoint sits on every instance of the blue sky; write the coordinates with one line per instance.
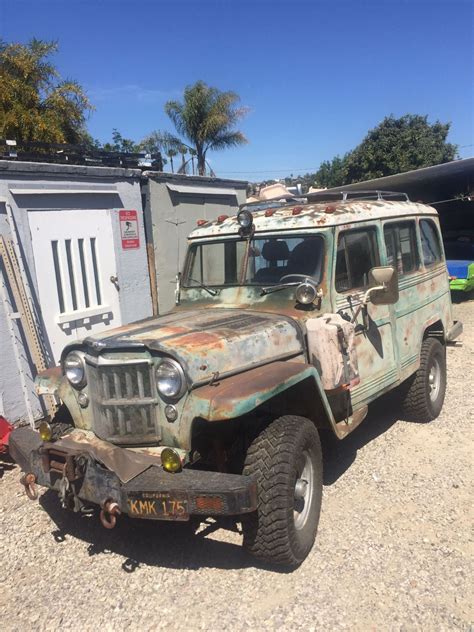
(315, 75)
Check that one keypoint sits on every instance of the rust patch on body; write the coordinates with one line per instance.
(224, 397)
(199, 339)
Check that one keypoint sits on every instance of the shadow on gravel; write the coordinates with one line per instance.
(338, 455)
(461, 297)
(142, 542)
(185, 545)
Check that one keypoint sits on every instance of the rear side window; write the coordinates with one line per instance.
(356, 255)
(430, 242)
(402, 251)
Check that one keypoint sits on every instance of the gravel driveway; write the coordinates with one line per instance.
(394, 550)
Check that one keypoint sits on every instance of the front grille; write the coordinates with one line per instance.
(124, 402)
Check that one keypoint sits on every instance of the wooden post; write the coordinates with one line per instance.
(150, 252)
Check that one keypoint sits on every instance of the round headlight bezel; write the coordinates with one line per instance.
(176, 393)
(245, 221)
(306, 293)
(76, 383)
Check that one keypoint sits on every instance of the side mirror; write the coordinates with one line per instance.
(383, 285)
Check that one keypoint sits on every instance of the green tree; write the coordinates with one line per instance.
(394, 146)
(206, 119)
(121, 144)
(36, 104)
(331, 173)
(398, 145)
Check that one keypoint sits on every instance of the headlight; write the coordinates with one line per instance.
(170, 379)
(306, 293)
(245, 219)
(75, 370)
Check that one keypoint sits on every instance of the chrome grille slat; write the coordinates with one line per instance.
(124, 401)
(117, 387)
(141, 387)
(128, 384)
(105, 385)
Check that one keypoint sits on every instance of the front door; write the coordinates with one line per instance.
(76, 273)
(357, 252)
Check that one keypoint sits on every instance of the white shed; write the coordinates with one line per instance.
(73, 238)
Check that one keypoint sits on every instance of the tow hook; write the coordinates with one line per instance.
(108, 514)
(29, 483)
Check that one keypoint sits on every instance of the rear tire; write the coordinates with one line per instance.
(423, 392)
(286, 461)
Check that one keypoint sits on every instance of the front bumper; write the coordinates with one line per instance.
(82, 480)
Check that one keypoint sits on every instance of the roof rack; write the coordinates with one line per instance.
(357, 195)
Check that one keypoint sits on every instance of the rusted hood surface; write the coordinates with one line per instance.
(213, 341)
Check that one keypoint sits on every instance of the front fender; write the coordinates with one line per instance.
(238, 395)
(53, 382)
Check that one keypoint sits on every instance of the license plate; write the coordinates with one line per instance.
(158, 505)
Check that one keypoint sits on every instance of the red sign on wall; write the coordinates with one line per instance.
(129, 229)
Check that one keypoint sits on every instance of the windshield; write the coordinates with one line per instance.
(221, 263)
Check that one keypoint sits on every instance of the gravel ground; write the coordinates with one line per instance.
(394, 550)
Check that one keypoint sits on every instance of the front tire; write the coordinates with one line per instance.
(286, 461)
(423, 392)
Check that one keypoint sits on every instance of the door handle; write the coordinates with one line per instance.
(114, 280)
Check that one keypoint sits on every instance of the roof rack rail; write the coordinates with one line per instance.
(357, 195)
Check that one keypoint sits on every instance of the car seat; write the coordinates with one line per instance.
(273, 251)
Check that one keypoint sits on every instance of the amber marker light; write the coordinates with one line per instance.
(171, 461)
(45, 431)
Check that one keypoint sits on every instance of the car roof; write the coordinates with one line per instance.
(314, 215)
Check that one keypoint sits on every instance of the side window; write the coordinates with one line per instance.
(430, 243)
(402, 251)
(356, 255)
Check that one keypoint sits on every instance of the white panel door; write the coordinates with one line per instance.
(75, 262)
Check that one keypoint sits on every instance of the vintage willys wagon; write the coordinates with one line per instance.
(288, 322)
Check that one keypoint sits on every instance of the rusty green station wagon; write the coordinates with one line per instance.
(288, 322)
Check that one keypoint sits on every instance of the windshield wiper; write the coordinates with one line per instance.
(277, 288)
(301, 278)
(211, 291)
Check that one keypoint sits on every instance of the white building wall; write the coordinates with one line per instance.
(132, 267)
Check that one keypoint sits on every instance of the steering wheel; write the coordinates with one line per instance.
(297, 276)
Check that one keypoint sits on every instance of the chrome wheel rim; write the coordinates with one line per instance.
(303, 493)
(434, 380)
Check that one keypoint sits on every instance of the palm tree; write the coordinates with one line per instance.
(183, 150)
(206, 119)
(192, 153)
(171, 153)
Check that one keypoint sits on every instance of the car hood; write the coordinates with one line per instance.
(211, 343)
